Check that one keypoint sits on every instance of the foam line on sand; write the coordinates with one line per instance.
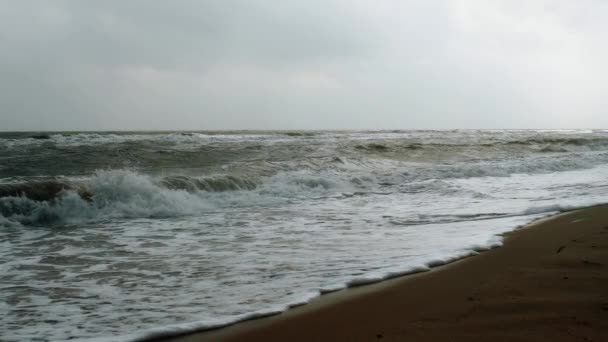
(549, 282)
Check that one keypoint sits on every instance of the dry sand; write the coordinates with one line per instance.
(549, 282)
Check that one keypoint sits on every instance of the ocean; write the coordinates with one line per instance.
(121, 236)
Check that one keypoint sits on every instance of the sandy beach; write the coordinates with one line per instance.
(549, 282)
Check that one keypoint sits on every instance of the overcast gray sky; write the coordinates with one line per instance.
(302, 64)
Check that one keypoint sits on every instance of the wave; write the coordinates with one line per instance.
(36, 190)
(527, 145)
(40, 136)
(587, 141)
(257, 156)
(113, 194)
(218, 183)
(167, 138)
(511, 167)
(373, 147)
(301, 134)
(127, 194)
(407, 139)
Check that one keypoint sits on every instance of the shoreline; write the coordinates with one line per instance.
(355, 313)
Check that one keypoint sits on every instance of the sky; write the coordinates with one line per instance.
(302, 64)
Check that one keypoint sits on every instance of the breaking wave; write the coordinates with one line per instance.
(112, 194)
(127, 194)
(115, 195)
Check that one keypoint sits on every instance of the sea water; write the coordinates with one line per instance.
(120, 236)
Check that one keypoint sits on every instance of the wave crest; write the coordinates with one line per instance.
(217, 183)
(127, 194)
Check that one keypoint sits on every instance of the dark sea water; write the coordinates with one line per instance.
(116, 236)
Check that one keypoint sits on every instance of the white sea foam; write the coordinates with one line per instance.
(494, 241)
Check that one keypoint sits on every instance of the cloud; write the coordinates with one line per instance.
(237, 64)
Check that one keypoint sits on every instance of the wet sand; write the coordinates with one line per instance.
(549, 282)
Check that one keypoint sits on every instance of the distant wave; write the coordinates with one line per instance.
(411, 139)
(591, 141)
(547, 145)
(373, 147)
(301, 134)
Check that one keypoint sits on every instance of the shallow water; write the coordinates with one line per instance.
(189, 230)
